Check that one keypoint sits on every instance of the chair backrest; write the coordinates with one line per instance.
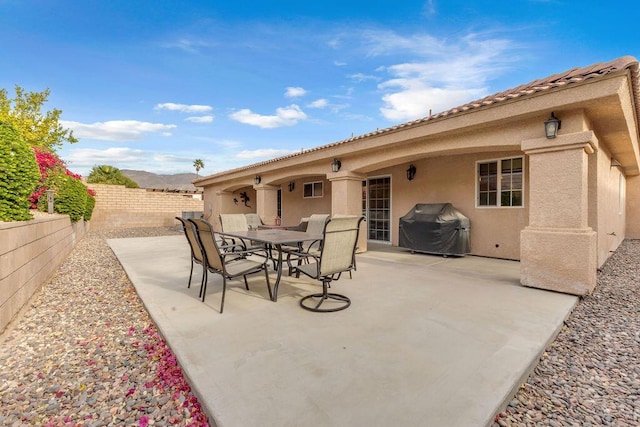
(233, 222)
(339, 244)
(253, 220)
(190, 234)
(206, 237)
(316, 223)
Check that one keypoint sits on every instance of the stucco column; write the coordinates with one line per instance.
(558, 250)
(267, 202)
(222, 203)
(346, 199)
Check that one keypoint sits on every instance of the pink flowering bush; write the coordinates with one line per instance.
(74, 198)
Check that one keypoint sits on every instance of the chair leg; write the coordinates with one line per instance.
(224, 289)
(203, 285)
(246, 284)
(343, 301)
(190, 273)
(266, 275)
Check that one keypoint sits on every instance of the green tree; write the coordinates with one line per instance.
(106, 174)
(198, 164)
(37, 129)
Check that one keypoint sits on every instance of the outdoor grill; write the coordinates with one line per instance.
(435, 228)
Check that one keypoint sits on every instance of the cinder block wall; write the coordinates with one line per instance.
(30, 252)
(120, 207)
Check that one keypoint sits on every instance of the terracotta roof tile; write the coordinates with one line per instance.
(575, 75)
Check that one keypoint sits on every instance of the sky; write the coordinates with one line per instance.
(155, 85)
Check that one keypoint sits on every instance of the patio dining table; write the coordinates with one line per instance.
(275, 238)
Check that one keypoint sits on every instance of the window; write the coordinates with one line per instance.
(500, 182)
(312, 189)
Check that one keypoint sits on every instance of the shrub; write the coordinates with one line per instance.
(89, 205)
(19, 175)
(70, 196)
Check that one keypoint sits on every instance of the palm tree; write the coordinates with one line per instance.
(198, 164)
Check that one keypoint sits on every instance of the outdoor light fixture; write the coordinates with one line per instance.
(411, 172)
(552, 126)
(615, 163)
(336, 165)
(257, 180)
(292, 185)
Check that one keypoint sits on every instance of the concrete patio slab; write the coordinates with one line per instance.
(427, 340)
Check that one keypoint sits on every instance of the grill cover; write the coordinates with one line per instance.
(436, 228)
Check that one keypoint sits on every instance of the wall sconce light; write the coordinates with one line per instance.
(257, 180)
(292, 185)
(411, 172)
(552, 126)
(615, 163)
(336, 165)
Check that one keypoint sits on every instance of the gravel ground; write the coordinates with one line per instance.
(590, 375)
(85, 352)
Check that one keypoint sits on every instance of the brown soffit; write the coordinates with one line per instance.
(573, 76)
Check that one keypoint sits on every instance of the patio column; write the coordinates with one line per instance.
(558, 250)
(346, 199)
(267, 202)
(223, 203)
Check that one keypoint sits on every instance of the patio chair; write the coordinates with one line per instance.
(226, 264)
(337, 256)
(196, 252)
(315, 225)
(253, 221)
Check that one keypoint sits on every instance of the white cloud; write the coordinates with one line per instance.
(117, 130)
(295, 92)
(263, 153)
(88, 157)
(318, 103)
(360, 77)
(183, 108)
(200, 119)
(444, 74)
(285, 116)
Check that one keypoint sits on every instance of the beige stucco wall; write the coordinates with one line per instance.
(607, 213)
(295, 207)
(633, 207)
(120, 207)
(495, 232)
(30, 251)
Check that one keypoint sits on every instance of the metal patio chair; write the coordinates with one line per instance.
(229, 265)
(337, 256)
(196, 252)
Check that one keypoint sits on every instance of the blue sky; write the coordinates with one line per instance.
(154, 85)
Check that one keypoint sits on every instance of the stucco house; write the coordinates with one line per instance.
(558, 204)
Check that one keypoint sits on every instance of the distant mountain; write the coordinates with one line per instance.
(179, 181)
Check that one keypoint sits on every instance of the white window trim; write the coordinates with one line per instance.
(313, 196)
(499, 162)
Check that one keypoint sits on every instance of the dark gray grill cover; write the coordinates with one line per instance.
(436, 228)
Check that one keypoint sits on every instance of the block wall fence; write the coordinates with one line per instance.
(120, 207)
(30, 252)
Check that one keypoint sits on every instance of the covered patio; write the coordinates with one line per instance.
(427, 340)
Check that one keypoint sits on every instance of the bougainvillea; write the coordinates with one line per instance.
(170, 379)
(55, 175)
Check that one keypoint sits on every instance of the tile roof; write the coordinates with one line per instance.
(575, 75)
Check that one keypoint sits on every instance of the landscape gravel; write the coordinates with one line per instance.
(86, 353)
(590, 374)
